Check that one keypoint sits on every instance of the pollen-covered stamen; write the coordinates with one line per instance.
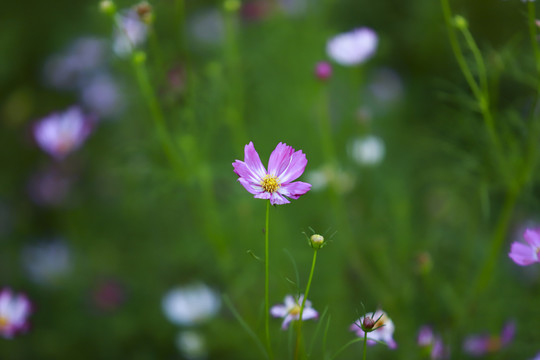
(295, 310)
(270, 183)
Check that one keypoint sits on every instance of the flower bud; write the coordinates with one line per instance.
(368, 323)
(316, 241)
(323, 70)
(460, 22)
(144, 11)
(107, 7)
(231, 5)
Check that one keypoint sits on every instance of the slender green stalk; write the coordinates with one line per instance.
(346, 346)
(299, 328)
(138, 61)
(447, 12)
(365, 345)
(497, 242)
(266, 283)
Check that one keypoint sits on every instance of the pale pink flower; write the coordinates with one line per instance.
(526, 254)
(482, 344)
(14, 311)
(290, 310)
(384, 329)
(284, 166)
(427, 339)
(353, 47)
(59, 134)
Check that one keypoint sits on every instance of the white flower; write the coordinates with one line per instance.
(191, 344)
(290, 310)
(368, 150)
(352, 48)
(130, 33)
(190, 304)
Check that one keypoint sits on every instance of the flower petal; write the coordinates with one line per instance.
(277, 199)
(279, 159)
(522, 254)
(532, 237)
(294, 190)
(249, 186)
(279, 311)
(241, 169)
(252, 160)
(286, 321)
(309, 313)
(294, 169)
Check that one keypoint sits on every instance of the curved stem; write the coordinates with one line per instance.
(346, 346)
(138, 60)
(299, 328)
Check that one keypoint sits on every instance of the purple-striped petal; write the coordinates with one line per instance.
(252, 160)
(277, 199)
(280, 159)
(294, 169)
(241, 169)
(294, 190)
(251, 187)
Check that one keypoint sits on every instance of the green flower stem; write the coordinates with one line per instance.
(480, 91)
(365, 345)
(266, 283)
(299, 327)
(346, 346)
(139, 60)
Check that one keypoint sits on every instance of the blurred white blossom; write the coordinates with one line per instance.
(192, 345)
(47, 262)
(191, 304)
(130, 33)
(368, 150)
(353, 47)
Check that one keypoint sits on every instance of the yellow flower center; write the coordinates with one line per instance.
(270, 183)
(3, 322)
(295, 310)
(381, 322)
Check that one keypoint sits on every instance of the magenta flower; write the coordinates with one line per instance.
(290, 310)
(433, 343)
(383, 325)
(14, 311)
(481, 344)
(59, 134)
(526, 254)
(285, 165)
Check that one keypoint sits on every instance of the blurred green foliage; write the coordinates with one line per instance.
(411, 234)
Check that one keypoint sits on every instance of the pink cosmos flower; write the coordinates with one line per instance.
(290, 310)
(526, 254)
(284, 166)
(481, 344)
(61, 133)
(353, 47)
(384, 329)
(427, 339)
(14, 310)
